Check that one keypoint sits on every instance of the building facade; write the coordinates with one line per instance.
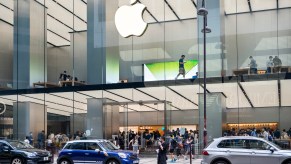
(65, 67)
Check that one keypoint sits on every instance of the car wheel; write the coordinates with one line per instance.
(112, 161)
(16, 160)
(220, 162)
(287, 162)
(64, 161)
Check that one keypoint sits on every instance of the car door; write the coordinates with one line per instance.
(94, 153)
(5, 153)
(235, 151)
(261, 154)
(76, 152)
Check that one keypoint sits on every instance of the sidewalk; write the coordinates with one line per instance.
(154, 161)
(181, 161)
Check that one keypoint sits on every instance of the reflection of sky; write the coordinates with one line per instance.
(271, 43)
(144, 54)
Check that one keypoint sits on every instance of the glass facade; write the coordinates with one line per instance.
(65, 68)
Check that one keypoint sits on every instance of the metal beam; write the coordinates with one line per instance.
(154, 97)
(53, 102)
(69, 11)
(246, 95)
(129, 99)
(182, 96)
(106, 98)
(277, 4)
(149, 13)
(203, 88)
(172, 9)
(84, 2)
(279, 92)
(250, 6)
(194, 3)
(58, 35)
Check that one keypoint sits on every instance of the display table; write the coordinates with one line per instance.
(69, 83)
(46, 84)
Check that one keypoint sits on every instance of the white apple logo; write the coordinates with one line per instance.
(129, 21)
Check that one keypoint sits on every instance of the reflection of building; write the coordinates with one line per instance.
(83, 41)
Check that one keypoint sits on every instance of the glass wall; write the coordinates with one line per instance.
(63, 60)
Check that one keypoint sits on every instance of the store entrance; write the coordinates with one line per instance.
(140, 123)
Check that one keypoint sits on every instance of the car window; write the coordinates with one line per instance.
(92, 146)
(259, 145)
(108, 145)
(2, 146)
(233, 143)
(78, 146)
(68, 146)
(20, 145)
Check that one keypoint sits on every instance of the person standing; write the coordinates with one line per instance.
(41, 139)
(253, 66)
(181, 67)
(30, 138)
(162, 154)
(277, 64)
(270, 64)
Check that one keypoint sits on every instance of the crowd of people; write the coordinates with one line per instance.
(273, 65)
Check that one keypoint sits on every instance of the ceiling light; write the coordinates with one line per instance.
(202, 11)
(206, 29)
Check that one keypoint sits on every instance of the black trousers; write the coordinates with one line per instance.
(162, 158)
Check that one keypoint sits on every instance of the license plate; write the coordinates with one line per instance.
(136, 161)
(45, 158)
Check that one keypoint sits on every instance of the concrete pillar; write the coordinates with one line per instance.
(96, 41)
(215, 115)
(28, 117)
(102, 120)
(29, 44)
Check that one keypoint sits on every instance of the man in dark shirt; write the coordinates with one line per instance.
(277, 64)
(181, 67)
(162, 155)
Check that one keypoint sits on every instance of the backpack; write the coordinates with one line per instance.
(174, 143)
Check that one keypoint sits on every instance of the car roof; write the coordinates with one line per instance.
(238, 137)
(91, 140)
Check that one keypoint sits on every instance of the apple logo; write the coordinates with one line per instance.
(129, 21)
(2, 107)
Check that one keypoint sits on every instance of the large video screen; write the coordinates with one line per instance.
(169, 70)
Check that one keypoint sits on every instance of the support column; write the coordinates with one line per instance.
(215, 54)
(29, 44)
(28, 117)
(102, 120)
(216, 116)
(96, 43)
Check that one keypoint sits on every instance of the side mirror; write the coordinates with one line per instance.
(97, 150)
(272, 149)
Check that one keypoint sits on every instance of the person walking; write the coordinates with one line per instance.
(162, 154)
(181, 67)
(41, 139)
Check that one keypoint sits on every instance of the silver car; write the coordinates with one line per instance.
(244, 150)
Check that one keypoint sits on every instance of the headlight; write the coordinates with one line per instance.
(28, 154)
(122, 155)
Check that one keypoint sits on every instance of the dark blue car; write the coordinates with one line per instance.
(17, 152)
(95, 151)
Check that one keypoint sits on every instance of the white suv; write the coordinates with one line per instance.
(244, 150)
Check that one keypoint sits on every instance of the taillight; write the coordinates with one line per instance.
(204, 152)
